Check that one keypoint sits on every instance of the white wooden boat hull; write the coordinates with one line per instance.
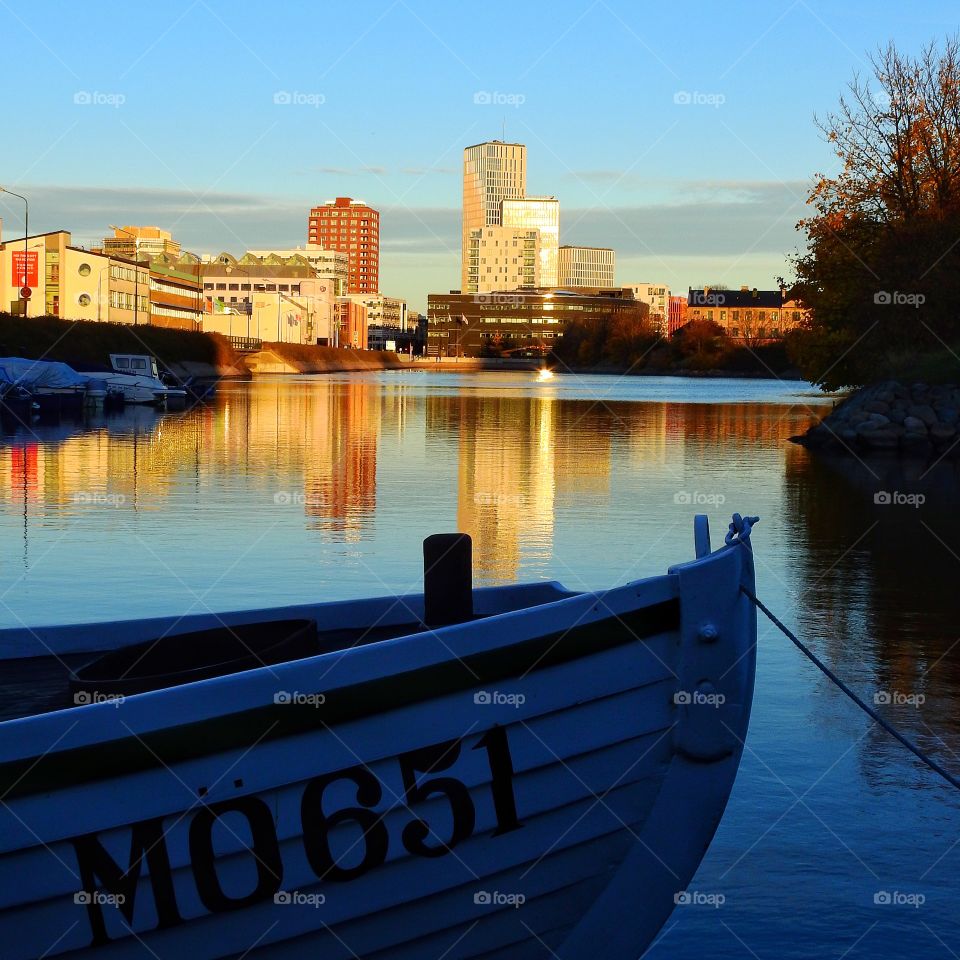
(546, 779)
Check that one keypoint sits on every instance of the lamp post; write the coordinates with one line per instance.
(200, 297)
(136, 270)
(26, 238)
(100, 274)
(229, 270)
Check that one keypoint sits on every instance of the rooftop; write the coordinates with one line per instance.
(714, 297)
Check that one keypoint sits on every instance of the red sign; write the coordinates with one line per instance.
(26, 270)
(25, 292)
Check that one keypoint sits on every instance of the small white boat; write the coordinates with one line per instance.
(137, 379)
(509, 772)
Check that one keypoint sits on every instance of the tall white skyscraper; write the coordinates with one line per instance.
(492, 172)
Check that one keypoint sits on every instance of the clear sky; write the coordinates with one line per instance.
(681, 134)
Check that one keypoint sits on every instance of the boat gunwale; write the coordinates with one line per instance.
(387, 667)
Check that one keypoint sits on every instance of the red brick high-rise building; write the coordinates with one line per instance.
(353, 228)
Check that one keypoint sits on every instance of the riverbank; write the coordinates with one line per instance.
(295, 358)
(186, 353)
(86, 344)
(717, 374)
(915, 421)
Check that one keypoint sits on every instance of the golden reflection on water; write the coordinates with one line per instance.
(316, 445)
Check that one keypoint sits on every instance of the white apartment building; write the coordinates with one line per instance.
(657, 295)
(327, 264)
(381, 311)
(586, 267)
(505, 258)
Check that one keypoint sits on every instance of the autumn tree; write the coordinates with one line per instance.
(701, 344)
(881, 272)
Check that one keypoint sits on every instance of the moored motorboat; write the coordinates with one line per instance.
(137, 378)
(503, 772)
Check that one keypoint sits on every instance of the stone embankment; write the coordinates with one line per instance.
(913, 421)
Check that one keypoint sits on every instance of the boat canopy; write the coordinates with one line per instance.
(40, 374)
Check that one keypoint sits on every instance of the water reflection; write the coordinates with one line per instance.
(314, 445)
(883, 543)
(321, 488)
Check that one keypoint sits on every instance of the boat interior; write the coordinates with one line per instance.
(43, 684)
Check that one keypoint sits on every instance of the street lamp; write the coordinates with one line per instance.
(229, 270)
(101, 272)
(136, 268)
(26, 237)
(201, 302)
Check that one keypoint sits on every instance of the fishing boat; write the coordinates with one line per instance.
(506, 772)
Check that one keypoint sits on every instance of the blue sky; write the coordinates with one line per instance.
(680, 135)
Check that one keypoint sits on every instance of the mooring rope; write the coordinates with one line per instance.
(817, 662)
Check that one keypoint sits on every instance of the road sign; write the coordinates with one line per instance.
(25, 292)
(26, 268)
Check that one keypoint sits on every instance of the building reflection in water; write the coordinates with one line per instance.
(311, 448)
(506, 481)
(314, 446)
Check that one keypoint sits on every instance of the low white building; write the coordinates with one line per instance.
(274, 299)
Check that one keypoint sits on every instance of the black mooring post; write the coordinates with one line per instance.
(447, 579)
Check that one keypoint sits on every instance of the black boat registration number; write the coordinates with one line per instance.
(418, 768)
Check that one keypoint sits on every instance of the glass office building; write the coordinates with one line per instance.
(542, 214)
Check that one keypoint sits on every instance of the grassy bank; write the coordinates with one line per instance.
(84, 343)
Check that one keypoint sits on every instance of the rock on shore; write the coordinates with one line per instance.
(916, 421)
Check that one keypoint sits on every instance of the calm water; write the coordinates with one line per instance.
(314, 488)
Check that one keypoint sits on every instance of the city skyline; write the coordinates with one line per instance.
(669, 151)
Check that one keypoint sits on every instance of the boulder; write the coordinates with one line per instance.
(942, 431)
(915, 425)
(876, 406)
(948, 415)
(924, 412)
